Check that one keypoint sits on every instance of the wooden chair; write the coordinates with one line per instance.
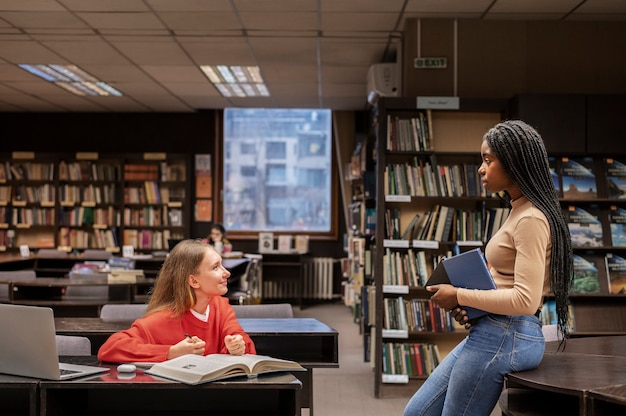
(270, 310)
(12, 276)
(73, 345)
(122, 312)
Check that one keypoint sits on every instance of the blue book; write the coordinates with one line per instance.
(466, 270)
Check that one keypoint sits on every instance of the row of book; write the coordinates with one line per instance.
(162, 171)
(410, 359)
(412, 134)
(72, 237)
(22, 216)
(589, 178)
(98, 217)
(99, 194)
(87, 170)
(444, 223)
(590, 225)
(31, 171)
(596, 273)
(415, 315)
(153, 216)
(408, 268)
(33, 194)
(424, 177)
(148, 239)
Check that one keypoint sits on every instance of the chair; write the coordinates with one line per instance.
(51, 253)
(13, 276)
(550, 332)
(248, 288)
(92, 254)
(88, 291)
(122, 312)
(73, 345)
(270, 310)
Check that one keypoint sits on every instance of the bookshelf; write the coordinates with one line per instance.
(155, 193)
(585, 129)
(87, 200)
(427, 182)
(591, 191)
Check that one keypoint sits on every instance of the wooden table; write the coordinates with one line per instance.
(586, 375)
(308, 341)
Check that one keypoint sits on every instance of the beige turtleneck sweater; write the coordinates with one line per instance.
(519, 259)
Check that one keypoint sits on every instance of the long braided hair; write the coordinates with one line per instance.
(521, 150)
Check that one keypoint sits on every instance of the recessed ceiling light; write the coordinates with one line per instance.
(72, 79)
(236, 81)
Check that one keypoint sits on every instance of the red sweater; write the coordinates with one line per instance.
(150, 338)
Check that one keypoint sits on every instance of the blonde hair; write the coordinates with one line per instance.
(171, 289)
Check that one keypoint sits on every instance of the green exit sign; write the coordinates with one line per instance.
(430, 63)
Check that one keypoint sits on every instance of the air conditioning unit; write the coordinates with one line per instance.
(382, 81)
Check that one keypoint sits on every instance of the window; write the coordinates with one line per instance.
(277, 170)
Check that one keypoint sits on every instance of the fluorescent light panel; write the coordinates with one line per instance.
(72, 79)
(236, 81)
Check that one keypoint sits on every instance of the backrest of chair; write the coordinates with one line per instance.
(73, 345)
(14, 276)
(251, 275)
(270, 310)
(92, 254)
(122, 312)
(550, 332)
(51, 253)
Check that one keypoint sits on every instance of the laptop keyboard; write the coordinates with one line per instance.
(66, 372)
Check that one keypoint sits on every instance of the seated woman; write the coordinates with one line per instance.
(217, 238)
(186, 314)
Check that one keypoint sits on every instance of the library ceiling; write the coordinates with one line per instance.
(311, 53)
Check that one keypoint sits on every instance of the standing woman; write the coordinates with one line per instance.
(530, 255)
(187, 313)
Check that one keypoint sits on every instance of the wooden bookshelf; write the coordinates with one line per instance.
(79, 201)
(451, 152)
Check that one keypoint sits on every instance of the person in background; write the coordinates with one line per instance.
(530, 255)
(186, 313)
(217, 238)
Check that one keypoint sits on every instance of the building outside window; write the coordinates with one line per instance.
(277, 170)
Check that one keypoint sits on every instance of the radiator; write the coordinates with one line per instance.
(317, 280)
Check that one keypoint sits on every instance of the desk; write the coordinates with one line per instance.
(564, 381)
(308, 341)
(19, 395)
(49, 291)
(147, 395)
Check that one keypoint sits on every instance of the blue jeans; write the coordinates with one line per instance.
(469, 380)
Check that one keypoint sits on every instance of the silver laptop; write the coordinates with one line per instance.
(28, 345)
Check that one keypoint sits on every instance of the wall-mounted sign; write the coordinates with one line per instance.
(438, 103)
(430, 63)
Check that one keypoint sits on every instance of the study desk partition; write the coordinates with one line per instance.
(308, 341)
(141, 394)
(584, 379)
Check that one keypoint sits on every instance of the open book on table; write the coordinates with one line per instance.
(196, 369)
(467, 270)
